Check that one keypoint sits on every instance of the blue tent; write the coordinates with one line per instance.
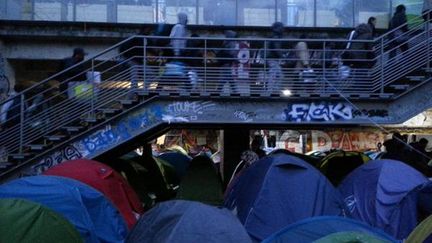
(315, 228)
(386, 194)
(280, 190)
(179, 161)
(185, 222)
(88, 210)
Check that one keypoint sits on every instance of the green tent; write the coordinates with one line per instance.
(201, 183)
(421, 232)
(350, 237)
(23, 221)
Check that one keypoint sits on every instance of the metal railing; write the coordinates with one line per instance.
(222, 66)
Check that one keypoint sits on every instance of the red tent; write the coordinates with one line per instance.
(104, 179)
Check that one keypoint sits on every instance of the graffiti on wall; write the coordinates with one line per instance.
(123, 130)
(351, 140)
(186, 111)
(346, 140)
(323, 111)
(365, 113)
(69, 152)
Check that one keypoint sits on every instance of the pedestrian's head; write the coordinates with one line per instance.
(400, 8)
(256, 144)
(182, 18)
(278, 28)
(372, 21)
(79, 53)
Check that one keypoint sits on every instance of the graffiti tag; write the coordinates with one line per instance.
(319, 112)
(67, 153)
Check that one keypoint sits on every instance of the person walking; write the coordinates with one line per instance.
(178, 33)
(75, 74)
(274, 56)
(399, 26)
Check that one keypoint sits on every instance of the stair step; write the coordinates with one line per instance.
(399, 86)
(416, 78)
(55, 138)
(5, 165)
(385, 95)
(109, 111)
(73, 128)
(20, 156)
(90, 119)
(127, 102)
(37, 147)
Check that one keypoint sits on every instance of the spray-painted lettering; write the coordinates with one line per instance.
(318, 112)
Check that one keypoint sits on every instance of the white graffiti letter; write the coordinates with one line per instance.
(340, 110)
(299, 112)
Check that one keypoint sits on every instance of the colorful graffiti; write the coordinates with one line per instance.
(352, 140)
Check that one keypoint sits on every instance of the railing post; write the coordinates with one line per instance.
(205, 66)
(382, 64)
(22, 117)
(92, 113)
(144, 64)
(324, 59)
(428, 41)
(265, 67)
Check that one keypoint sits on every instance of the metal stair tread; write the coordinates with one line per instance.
(127, 102)
(37, 146)
(399, 86)
(73, 128)
(55, 137)
(109, 110)
(19, 156)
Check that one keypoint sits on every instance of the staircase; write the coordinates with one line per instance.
(135, 82)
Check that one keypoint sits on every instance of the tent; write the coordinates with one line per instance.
(387, 194)
(184, 222)
(315, 161)
(87, 209)
(152, 178)
(316, 228)
(279, 190)
(104, 179)
(201, 182)
(23, 221)
(338, 164)
(178, 160)
(421, 233)
(350, 237)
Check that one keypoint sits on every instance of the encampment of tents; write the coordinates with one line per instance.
(23, 221)
(317, 228)
(338, 164)
(88, 210)
(387, 194)
(104, 179)
(280, 190)
(186, 222)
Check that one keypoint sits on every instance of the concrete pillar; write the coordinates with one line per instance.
(5, 67)
(235, 141)
(112, 11)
